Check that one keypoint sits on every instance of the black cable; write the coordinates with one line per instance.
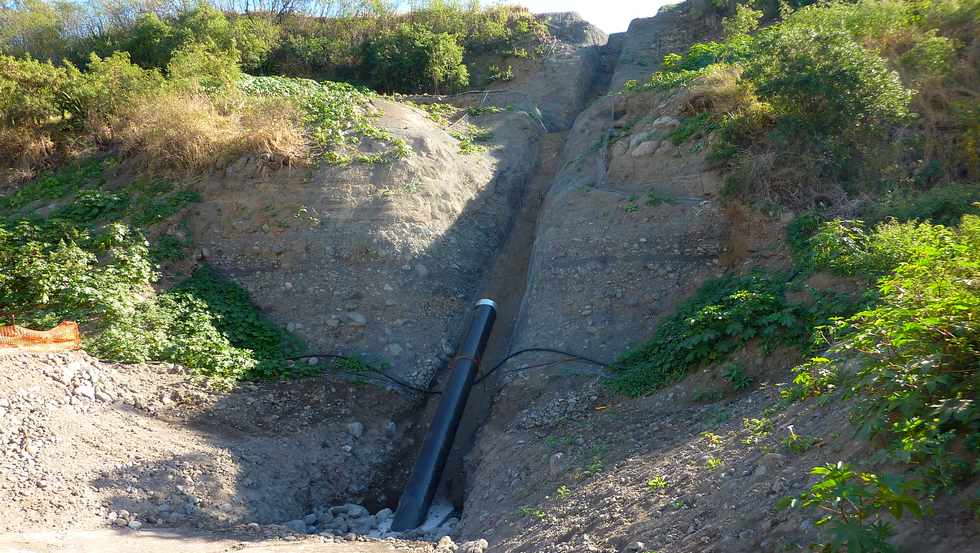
(484, 376)
(367, 368)
(574, 356)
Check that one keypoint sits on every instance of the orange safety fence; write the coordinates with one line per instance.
(63, 337)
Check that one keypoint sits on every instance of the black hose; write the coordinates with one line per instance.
(484, 376)
(574, 357)
(367, 368)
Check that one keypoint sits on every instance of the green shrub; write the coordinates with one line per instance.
(919, 352)
(852, 505)
(198, 66)
(722, 316)
(415, 59)
(847, 248)
(236, 318)
(151, 41)
(107, 85)
(942, 205)
(255, 39)
(742, 23)
(86, 264)
(933, 56)
(825, 81)
(30, 92)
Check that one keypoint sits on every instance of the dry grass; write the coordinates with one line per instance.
(189, 132)
(274, 131)
(24, 149)
(720, 93)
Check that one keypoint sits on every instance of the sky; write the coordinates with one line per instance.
(611, 16)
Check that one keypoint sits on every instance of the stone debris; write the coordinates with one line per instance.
(352, 522)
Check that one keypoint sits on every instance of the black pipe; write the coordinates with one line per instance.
(417, 496)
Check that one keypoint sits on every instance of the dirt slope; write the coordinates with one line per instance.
(631, 225)
(83, 439)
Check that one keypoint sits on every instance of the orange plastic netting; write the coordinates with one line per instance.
(63, 337)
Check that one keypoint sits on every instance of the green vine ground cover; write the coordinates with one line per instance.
(338, 116)
(88, 260)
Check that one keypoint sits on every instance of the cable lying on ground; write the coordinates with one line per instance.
(571, 357)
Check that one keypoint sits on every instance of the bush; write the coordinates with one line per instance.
(30, 92)
(825, 81)
(203, 67)
(255, 39)
(108, 85)
(742, 23)
(151, 41)
(413, 58)
(942, 205)
(931, 56)
(847, 248)
(919, 349)
(85, 263)
(722, 316)
(853, 503)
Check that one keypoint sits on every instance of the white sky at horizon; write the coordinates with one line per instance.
(611, 16)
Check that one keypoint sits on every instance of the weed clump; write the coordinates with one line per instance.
(90, 261)
(722, 316)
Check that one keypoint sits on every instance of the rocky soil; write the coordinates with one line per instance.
(89, 444)
(586, 224)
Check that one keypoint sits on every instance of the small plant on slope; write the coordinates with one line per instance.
(852, 504)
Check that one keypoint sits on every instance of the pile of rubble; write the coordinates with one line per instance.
(354, 520)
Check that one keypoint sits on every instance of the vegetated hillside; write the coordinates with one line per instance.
(781, 224)
(771, 237)
(159, 139)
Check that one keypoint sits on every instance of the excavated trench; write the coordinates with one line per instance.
(505, 283)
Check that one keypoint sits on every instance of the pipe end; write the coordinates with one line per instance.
(487, 301)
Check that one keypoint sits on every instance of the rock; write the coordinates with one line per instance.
(135, 525)
(120, 522)
(362, 525)
(395, 349)
(772, 460)
(355, 429)
(555, 465)
(357, 319)
(86, 391)
(422, 271)
(313, 360)
(446, 545)
(666, 123)
(297, 525)
(477, 546)
(310, 519)
(645, 149)
(391, 428)
(635, 547)
(384, 514)
(66, 375)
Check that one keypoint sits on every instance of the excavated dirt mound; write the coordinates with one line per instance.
(83, 440)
